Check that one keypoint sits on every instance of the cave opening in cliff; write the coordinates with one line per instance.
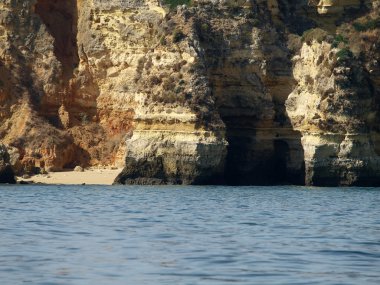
(60, 18)
(281, 158)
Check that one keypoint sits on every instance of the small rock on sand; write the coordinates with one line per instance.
(78, 168)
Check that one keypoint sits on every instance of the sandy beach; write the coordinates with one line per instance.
(88, 177)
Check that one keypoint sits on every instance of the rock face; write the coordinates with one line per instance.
(6, 171)
(233, 76)
(250, 73)
(330, 106)
(32, 77)
(192, 95)
(143, 64)
(178, 158)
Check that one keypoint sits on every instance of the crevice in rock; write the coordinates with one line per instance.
(60, 18)
(297, 15)
(263, 148)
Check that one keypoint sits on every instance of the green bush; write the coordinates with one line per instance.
(339, 39)
(174, 3)
(358, 27)
(368, 25)
(205, 28)
(178, 36)
(344, 54)
(179, 89)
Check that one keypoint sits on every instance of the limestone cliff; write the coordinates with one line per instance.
(330, 106)
(335, 104)
(205, 93)
(144, 63)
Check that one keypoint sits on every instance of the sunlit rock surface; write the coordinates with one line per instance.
(224, 92)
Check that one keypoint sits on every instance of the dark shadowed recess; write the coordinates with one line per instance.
(60, 18)
(263, 147)
(293, 14)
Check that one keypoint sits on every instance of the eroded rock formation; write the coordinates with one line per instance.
(330, 106)
(6, 172)
(192, 95)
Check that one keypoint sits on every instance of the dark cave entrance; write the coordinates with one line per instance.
(256, 160)
(263, 148)
(60, 18)
(281, 158)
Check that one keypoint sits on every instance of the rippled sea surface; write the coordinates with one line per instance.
(189, 235)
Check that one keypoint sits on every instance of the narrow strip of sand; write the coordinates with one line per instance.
(88, 177)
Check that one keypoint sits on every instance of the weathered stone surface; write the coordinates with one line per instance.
(330, 106)
(193, 94)
(78, 168)
(6, 171)
(175, 157)
(146, 71)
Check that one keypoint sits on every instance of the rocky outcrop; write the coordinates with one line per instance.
(6, 171)
(32, 77)
(175, 157)
(250, 73)
(330, 106)
(250, 76)
(148, 65)
(233, 79)
(192, 95)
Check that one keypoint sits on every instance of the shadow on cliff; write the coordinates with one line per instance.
(277, 159)
(60, 18)
(263, 148)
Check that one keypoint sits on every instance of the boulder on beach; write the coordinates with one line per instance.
(78, 168)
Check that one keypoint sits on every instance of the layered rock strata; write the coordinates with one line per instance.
(192, 95)
(151, 69)
(330, 106)
(250, 74)
(237, 73)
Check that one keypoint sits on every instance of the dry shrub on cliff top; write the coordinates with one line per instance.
(367, 24)
(154, 81)
(363, 35)
(316, 34)
(168, 83)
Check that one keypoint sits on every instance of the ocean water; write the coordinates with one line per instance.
(189, 235)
